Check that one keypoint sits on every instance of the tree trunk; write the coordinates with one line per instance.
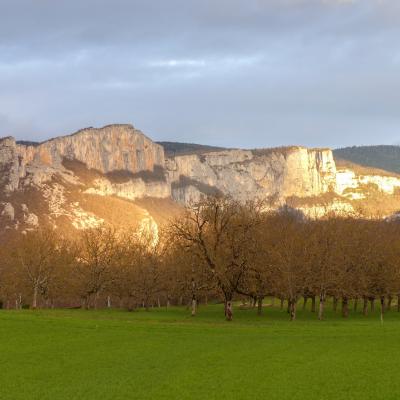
(365, 306)
(372, 303)
(355, 307)
(345, 307)
(321, 307)
(228, 310)
(389, 303)
(283, 301)
(35, 295)
(335, 303)
(130, 303)
(108, 302)
(292, 307)
(313, 304)
(259, 305)
(383, 306)
(96, 297)
(305, 302)
(194, 305)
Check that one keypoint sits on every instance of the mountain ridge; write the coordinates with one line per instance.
(75, 181)
(385, 157)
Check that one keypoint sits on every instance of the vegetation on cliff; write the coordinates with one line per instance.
(383, 157)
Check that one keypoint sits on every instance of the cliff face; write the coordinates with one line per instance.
(10, 165)
(348, 184)
(113, 173)
(245, 174)
(71, 181)
(112, 148)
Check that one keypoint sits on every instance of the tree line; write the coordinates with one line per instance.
(218, 250)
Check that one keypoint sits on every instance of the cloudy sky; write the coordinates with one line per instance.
(241, 73)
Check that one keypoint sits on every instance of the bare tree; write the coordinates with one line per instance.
(95, 255)
(36, 254)
(289, 250)
(219, 232)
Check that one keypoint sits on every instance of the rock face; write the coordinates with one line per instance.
(8, 211)
(131, 190)
(11, 168)
(244, 174)
(112, 148)
(106, 175)
(348, 183)
(38, 184)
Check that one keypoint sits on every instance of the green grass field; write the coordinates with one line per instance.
(113, 354)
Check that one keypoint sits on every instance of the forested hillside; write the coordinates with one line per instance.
(177, 148)
(383, 156)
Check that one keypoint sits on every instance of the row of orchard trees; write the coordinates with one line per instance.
(42, 268)
(220, 250)
(256, 254)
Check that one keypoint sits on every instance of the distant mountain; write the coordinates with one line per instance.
(177, 148)
(119, 176)
(383, 157)
(27, 143)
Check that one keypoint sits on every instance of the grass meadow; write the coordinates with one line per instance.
(167, 354)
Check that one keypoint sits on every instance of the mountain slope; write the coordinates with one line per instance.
(383, 157)
(172, 149)
(94, 176)
(117, 175)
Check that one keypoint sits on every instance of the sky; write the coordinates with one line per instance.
(233, 73)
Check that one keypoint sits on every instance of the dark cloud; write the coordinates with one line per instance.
(223, 72)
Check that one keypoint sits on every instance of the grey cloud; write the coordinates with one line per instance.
(226, 72)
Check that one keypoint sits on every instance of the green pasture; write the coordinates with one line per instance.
(167, 354)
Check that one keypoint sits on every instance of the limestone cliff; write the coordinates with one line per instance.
(60, 178)
(10, 165)
(112, 148)
(350, 184)
(245, 174)
(116, 174)
(307, 179)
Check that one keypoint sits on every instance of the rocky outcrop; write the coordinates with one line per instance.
(29, 218)
(78, 178)
(112, 148)
(350, 184)
(8, 211)
(131, 190)
(11, 166)
(118, 159)
(244, 174)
